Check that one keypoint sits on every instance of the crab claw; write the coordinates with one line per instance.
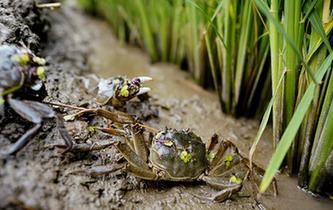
(143, 90)
(142, 79)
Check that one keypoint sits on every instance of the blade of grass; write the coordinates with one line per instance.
(243, 44)
(264, 122)
(146, 30)
(276, 73)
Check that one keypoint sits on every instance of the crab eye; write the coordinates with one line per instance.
(136, 81)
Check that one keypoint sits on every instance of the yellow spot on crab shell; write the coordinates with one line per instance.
(124, 91)
(91, 129)
(41, 73)
(235, 180)
(38, 60)
(21, 59)
(185, 156)
(228, 159)
(168, 143)
(211, 156)
(159, 134)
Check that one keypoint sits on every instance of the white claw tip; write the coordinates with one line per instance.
(143, 90)
(144, 79)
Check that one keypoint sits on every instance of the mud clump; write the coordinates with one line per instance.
(21, 21)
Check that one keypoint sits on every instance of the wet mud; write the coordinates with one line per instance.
(40, 177)
(22, 22)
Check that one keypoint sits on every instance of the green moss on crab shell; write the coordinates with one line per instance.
(91, 129)
(124, 91)
(21, 59)
(228, 159)
(210, 156)
(235, 180)
(41, 73)
(185, 156)
(39, 61)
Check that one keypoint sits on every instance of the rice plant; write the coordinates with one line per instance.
(256, 54)
(302, 56)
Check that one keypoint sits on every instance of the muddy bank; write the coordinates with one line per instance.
(22, 22)
(39, 177)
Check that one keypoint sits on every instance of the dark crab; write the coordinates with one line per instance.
(175, 155)
(21, 86)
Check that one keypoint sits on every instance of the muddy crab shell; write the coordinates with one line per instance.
(181, 154)
(10, 73)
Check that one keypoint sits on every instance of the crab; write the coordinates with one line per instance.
(180, 155)
(174, 155)
(21, 86)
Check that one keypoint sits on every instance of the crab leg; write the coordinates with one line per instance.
(83, 147)
(112, 131)
(117, 132)
(115, 116)
(34, 112)
(98, 170)
(64, 133)
(22, 141)
(131, 156)
(229, 170)
(220, 151)
(226, 193)
(28, 113)
(142, 173)
(139, 143)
